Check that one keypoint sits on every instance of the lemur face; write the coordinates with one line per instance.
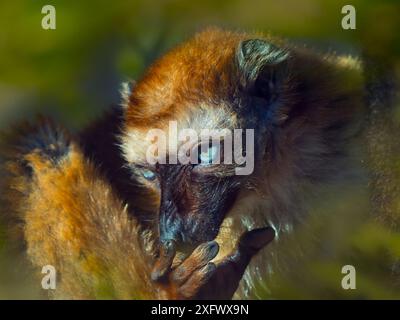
(225, 84)
(195, 194)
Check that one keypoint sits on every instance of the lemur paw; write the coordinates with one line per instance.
(197, 277)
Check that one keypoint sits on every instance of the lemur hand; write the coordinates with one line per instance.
(198, 278)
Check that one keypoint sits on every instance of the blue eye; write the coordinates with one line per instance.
(149, 175)
(209, 155)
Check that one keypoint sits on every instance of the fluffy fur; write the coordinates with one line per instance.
(319, 101)
(72, 217)
(68, 216)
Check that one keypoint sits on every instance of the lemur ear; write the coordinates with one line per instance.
(260, 66)
(126, 91)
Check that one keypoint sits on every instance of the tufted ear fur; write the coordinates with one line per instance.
(262, 66)
(126, 91)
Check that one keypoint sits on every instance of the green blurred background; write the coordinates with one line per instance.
(73, 74)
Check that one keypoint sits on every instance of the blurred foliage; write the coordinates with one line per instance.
(73, 73)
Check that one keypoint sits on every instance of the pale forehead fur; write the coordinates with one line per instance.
(134, 143)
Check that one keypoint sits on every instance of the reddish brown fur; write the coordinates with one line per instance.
(61, 208)
(321, 99)
(66, 214)
(319, 95)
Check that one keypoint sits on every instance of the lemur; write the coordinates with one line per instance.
(92, 206)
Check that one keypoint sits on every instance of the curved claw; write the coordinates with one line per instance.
(164, 262)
